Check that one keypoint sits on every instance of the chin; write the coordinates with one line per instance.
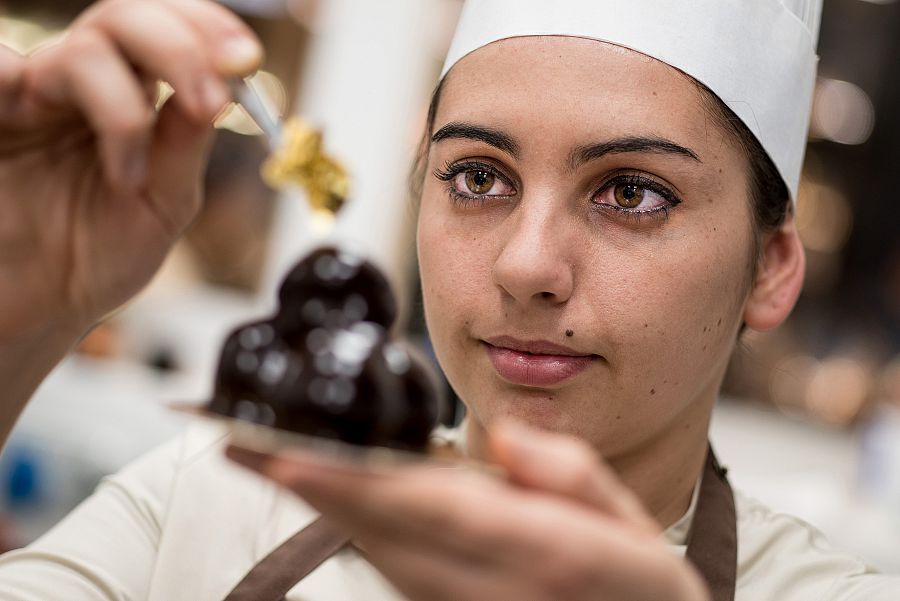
(545, 409)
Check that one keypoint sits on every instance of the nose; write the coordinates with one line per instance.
(533, 264)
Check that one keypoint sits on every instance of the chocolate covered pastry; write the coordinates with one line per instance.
(325, 365)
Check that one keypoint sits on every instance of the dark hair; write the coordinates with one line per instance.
(768, 194)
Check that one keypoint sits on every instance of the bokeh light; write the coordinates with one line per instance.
(824, 217)
(838, 390)
(842, 112)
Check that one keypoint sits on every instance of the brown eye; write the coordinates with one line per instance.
(480, 182)
(628, 196)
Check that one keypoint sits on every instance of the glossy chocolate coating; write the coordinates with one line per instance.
(421, 398)
(324, 364)
(334, 288)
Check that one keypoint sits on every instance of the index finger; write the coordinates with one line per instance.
(231, 46)
(234, 49)
(161, 43)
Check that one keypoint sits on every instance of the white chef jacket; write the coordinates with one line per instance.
(185, 524)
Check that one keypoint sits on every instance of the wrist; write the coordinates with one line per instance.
(25, 361)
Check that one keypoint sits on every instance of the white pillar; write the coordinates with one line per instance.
(369, 71)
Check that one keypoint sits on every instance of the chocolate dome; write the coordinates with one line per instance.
(324, 365)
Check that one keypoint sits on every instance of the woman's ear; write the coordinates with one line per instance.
(779, 278)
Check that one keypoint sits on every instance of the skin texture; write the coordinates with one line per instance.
(96, 187)
(560, 526)
(660, 300)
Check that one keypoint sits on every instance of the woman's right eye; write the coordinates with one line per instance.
(476, 181)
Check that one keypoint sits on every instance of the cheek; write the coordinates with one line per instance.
(675, 313)
(455, 269)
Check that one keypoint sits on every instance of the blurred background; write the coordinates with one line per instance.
(810, 419)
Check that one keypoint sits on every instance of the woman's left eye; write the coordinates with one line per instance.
(635, 196)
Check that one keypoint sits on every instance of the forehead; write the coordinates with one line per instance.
(575, 88)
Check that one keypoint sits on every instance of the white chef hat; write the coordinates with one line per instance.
(758, 56)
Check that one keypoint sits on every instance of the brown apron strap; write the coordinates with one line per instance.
(712, 543)
(280, 570)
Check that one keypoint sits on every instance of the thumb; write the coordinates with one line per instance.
(175, 165)
(569, 467)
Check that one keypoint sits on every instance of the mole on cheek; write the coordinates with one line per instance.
(570, 333)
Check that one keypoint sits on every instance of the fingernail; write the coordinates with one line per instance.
(241, 54)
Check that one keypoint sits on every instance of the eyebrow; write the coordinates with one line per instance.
(469, 131)
(579, 156)
(590, 152)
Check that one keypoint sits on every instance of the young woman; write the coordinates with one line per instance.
(596, 229)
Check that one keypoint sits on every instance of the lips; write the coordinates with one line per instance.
(535, 363)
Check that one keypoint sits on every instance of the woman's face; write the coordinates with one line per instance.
(585, 241)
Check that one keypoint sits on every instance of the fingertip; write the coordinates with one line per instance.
(497, 437)
(236, 50)
(509, 429)
(514, 435)
(196, 100)
(512, 444)
(181, 132)
(240, 55)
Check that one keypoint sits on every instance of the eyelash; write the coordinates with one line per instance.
(451, 170)
(661, 213)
